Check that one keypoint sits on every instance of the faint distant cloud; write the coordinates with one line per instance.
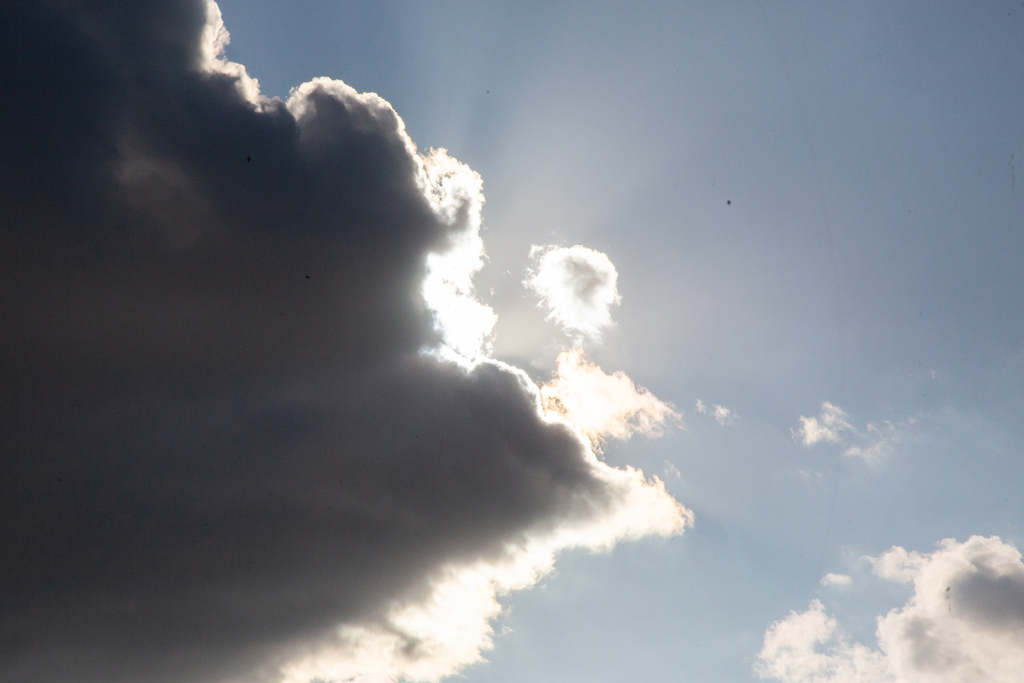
(881, 437)
(964, 623)
(577, 286)
(833, 426)
(724, 415)
(836, 580)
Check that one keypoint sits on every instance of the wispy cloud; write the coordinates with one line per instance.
(724, 416)
(833, 426)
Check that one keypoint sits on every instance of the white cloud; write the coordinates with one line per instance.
(964, 623)
(723, 415)
(828, 427)
(602, 405)
(836, 580)
(791, 652)
(578, 287)
(833, 426)
(896, 564)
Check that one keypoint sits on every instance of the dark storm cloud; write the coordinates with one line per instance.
(219, 436)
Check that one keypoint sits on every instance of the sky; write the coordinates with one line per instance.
(601, 342)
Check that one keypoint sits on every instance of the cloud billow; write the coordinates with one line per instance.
(577, 285)
(964, 622)
(225, 455)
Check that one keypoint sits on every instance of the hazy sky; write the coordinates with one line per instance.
(288, 395)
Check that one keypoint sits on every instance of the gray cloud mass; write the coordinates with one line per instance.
(219, 438)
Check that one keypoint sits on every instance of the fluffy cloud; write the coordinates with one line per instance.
(828, 427)
(964, 622)
(833, 426)
(809, 647)
(250, 428)
(578, 287)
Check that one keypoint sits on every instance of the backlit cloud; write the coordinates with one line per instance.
(252, 428)
(601, 405)
(578, 287)
(964, 622)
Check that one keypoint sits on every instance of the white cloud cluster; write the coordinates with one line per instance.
(833, 426)
(828, 427)
(724, 416)
(964, 623)
(809, 647)
(602, 405)
(578, 287)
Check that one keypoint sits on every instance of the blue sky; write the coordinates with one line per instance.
(804, 203)
(816, 217)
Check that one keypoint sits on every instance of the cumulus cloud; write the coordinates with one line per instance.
(251, 430)
(809, 647)
(829, 426)
(898, 565)
(578, 287)
(964, 622)
(833, 426)
(836, 580)
(603, 406)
